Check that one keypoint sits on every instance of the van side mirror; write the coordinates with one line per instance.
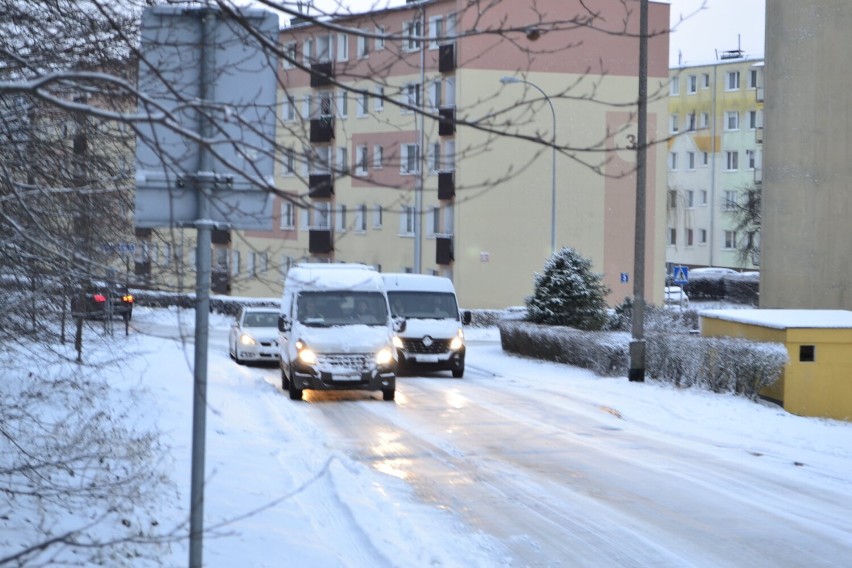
(284, 323)
(399, 324)
(466, 317)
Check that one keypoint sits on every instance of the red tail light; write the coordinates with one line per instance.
(99, 298)
(127, 298)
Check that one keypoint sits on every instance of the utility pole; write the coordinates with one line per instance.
(637, 344)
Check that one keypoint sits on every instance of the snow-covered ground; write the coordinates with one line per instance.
(521, 463)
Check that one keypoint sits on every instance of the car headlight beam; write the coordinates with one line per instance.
(384, 356)
(246, 339)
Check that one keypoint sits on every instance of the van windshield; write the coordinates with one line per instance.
(424, 305)
(339, 307)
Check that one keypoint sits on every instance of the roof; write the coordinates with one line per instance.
(785, 319)
(333, 276)
(417, 283)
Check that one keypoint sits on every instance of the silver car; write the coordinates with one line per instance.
(254, 335)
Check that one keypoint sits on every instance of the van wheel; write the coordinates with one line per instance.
(295, 394)
(388, 394)
(458, 373)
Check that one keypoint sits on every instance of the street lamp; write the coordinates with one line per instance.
(507, 81)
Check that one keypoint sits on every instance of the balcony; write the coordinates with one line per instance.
(444, 250)
(446, 185)
(447, 58)
(319, 241)
(220, 237)
(758, 176)
(320, 186)
(322, 74)
(322, 129)
(758, 94)
(447, 124)
(758, 135)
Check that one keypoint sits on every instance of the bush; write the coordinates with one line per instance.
(568, 293)
(713, 363)
(656, 318)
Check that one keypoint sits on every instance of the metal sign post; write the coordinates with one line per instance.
(208, 160)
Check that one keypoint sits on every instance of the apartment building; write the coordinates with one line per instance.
(715, 149)
(402, 148)
(806, 257)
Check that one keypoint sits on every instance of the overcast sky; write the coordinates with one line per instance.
(722, 25)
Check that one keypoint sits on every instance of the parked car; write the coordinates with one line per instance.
(100, 300)
(711, 272)
(675, 296)
(254, 335)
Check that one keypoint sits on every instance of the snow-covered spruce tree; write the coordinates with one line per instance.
(568, 293)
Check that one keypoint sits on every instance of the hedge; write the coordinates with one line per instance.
(716, 364)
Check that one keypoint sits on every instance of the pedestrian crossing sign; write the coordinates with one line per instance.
(680, 275)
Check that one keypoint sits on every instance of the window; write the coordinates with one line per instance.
(320, 212)
(235, 263)
(692, 84)
(343, 104)
(433, 221)
(342, 47)
(690, 198)
(251, 269)
(263, 257)
(307, 51)
(672, 199)
(690, 121)
(288, 111)
(435, 157)
(730, 240)
(323, 48)
(733, 81)
(705, 120)
(289, 55)
(702, 236)
(410, 31)
(341, 218)
(673, 123)
(379, 99)
(307, 107)
(409, 162)
(705, 81)
(435, 92)
(733, 160)
(325, 105)
(436, 31)
(673, 161)
(342, 160)
(362, 46)
(363, 104)
(703, 197)
(730, 203)
(448, 162)
(690, 160)
(732, 120)
(288, 216)
(689, 242)
(361, 219)
(674, 86)
(289, 165)
(750, 159)
(377, 216)
(378, 156)
(752, 79)
(380, 38)
(752, 119)
(406, 220)
(672, 237)
(807, 353)
(705, 158)
(412, 96)
(361, 160)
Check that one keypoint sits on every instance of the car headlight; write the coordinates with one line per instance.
(246, 339)
(458, 341)
(385, 356)
(306, 354)
(397, 342)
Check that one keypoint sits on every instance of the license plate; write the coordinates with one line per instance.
(349, 378)
(427, 358)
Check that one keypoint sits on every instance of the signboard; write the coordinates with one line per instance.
(625, 277)
(210, 89)
(680, 275)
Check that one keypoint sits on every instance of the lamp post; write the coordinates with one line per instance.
(507, 81)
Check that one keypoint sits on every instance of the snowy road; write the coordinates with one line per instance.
(556, 466)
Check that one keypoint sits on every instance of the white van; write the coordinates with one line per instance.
(335, 330)
(433, 338)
